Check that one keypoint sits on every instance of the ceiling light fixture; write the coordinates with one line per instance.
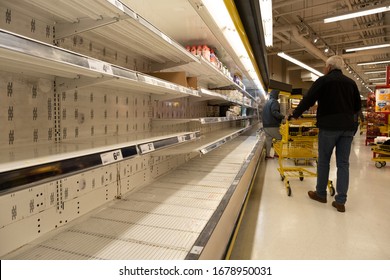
(358, 14)
(367, 48)
(377, 79)
(266, 17)
(301, 64)
(374, 62)
(375, 72)
(378, 83)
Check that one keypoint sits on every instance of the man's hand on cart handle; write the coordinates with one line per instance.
(290, 117)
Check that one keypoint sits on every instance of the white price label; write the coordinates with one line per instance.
(148, 80)
(111, 157)
(192, 136)
(118, 4)
(148, 147)
(100, 66)
(181, 138)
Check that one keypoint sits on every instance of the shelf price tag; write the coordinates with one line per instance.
(100, 66)
(181, 138)
(111, 157)
(192, 136)
(118, 4)
(148, 147)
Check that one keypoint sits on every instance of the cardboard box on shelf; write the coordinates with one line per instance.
(179, 78)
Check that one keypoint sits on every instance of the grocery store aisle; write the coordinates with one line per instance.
(277, 227)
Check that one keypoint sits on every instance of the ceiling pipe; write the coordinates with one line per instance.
(300, 39)
(281, 38)
(284, 3)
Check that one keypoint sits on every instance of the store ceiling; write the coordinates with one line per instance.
(298, 22)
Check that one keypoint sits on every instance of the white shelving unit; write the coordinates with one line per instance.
(80, 79)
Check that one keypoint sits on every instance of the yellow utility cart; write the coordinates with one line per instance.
(298, 151)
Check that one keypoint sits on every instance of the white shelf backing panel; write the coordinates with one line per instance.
(21, 166)
(116, 22)
(160, 221)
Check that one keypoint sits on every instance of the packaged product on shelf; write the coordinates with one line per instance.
(213, 58)
(206, 52)
(193, 50)
(199, 50)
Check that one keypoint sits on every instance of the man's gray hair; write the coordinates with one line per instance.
(336, 62)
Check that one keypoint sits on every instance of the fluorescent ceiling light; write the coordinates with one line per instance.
(358, 14)
(266, 18)
(374, 62)
(368, 48)
(297, 62)
(377, 79)
(375, 72)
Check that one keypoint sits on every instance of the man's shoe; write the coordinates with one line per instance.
(314, 196)
(267, 157)
(339, 207)
(276, 155)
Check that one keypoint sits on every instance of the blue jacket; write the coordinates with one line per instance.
(338, 101)
(271, 111)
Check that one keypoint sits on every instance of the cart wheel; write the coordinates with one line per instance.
(300, 175)
(383, 163)
(331, 188)
(288, 189)
(378, 164)
(282, 177)
(332, 191)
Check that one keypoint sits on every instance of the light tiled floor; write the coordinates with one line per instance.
(276, 226)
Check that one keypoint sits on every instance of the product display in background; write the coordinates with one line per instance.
(382, 100)
(377, 114)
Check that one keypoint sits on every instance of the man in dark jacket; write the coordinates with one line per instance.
(271, 120)
(338, 103)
